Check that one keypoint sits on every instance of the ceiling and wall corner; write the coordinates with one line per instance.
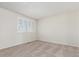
(39, 10)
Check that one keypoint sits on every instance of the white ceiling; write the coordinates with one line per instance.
(38, 10)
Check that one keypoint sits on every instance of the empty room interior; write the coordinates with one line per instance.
(39, 29)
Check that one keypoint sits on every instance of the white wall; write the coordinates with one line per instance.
(62, 29)
(8, 30)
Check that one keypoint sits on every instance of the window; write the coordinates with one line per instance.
(25, 25)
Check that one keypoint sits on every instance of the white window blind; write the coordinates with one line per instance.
(25, 25)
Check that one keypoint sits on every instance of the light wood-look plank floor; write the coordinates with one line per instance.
(40, 49)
